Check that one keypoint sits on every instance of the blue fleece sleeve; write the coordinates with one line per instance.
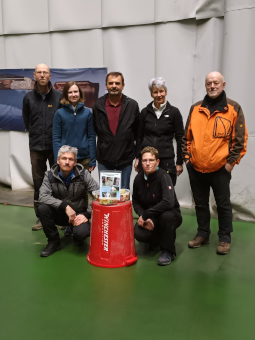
(56, 134)
(91, 137)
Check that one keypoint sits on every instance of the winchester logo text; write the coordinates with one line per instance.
(105, 228)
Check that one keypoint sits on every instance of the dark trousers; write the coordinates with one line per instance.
(164, 232)
(50, 216)
(84, 162)
(200, 184)
(39, 166)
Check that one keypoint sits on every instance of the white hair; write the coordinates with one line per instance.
(67, 148)
(157, 82)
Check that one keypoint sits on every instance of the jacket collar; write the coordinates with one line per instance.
(150, 177)
(161, 107)
(100, 103)
(220, 102)
(150, 107)
(37, 91)
(70, 107)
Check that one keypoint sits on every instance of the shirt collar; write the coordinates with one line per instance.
(68, 179)
(107, 102)
(146, 177)
(161, 108)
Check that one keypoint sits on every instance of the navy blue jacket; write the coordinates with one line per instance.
(75, 129)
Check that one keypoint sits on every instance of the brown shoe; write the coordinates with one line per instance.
(37, 225)
(223, 248)
(198, 242)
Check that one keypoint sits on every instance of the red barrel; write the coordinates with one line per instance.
(112, 242)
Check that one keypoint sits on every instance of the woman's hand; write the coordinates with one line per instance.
(91, 168)
(179, 169)
(136, 164)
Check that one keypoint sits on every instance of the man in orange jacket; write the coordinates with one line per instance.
(215, 139)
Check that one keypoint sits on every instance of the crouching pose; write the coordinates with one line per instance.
(64, 199)
(155, 202)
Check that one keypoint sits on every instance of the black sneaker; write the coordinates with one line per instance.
(50, 249)
(164, 259)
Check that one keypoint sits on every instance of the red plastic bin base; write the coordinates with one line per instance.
(112, 243)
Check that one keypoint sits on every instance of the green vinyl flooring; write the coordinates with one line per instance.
(201, 295)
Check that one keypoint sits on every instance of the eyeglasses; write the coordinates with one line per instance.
(148, 160)
(42, 72)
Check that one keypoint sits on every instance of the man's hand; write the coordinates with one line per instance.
(91, 168)
(140, 221)
(148, 224)
(228, 167)
(136, 164)
(179, 169)
(79, 219)
(70, 213)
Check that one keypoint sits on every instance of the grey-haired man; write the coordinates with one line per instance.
(64, 199)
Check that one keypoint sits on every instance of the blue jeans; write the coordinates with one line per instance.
(125, 172)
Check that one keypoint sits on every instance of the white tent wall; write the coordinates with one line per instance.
(178, 39)
(239, 70)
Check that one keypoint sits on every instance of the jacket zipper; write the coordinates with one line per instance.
(104, 111)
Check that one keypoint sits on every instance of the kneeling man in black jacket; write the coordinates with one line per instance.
(155, 202)
(64, 199)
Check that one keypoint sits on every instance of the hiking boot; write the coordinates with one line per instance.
(198, 242)
(37, 225)
(50, 249)
(223, 248)
(164, 259)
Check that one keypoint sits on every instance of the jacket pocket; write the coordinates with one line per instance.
(222, 127)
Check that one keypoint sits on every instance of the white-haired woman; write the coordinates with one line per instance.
(159, 123)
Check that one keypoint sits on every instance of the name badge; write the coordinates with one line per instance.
(50, 105)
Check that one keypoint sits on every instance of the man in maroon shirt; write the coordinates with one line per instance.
(115, 119)
(113, 112)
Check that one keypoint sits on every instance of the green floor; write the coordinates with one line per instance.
(199, 296)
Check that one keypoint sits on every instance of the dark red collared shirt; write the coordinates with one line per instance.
(113, 113)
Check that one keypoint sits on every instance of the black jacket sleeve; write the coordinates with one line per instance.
(178, 132)
(136, 125)
(25, 113)
(135, 200)
(167, 202)
(140, 133)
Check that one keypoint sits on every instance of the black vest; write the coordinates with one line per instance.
(76, 195)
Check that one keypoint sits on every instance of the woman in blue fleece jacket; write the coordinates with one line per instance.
(73, 126)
